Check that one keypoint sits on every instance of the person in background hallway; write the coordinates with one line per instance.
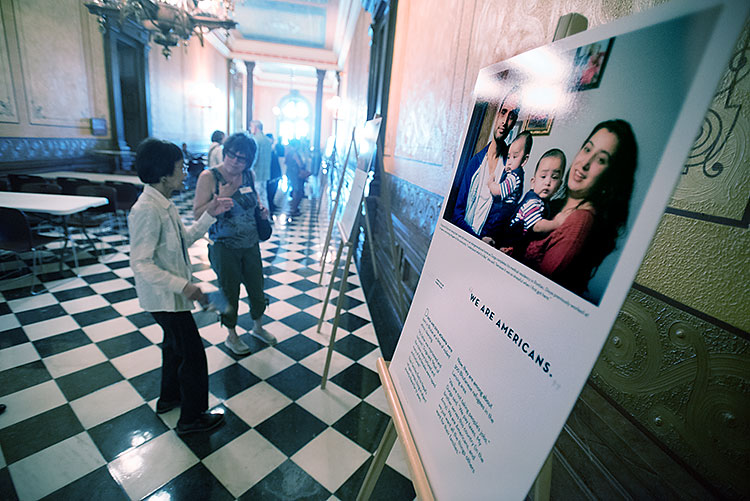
(297, 173)
(214, 152)
(262, 165)
(273, 184)
(235, 251)
(163, 281)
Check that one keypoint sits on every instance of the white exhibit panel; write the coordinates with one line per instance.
(353, 204)
(366, 139)
(496, 346)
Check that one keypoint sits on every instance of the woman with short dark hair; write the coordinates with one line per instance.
(163, 281)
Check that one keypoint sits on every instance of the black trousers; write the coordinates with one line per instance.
(184, 370)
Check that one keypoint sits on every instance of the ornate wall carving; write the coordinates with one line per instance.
(687, 382)
(19, 149)
(414, 205)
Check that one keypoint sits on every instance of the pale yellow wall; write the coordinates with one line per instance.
(189, 94)
(61, 83)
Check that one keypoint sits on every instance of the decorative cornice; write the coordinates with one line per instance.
(415, 205)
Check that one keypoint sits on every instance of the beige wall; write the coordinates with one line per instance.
(61, 83)
(189, 94)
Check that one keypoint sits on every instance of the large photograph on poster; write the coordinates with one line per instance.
(561, 197)
(568, 160)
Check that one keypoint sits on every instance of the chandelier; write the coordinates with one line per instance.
(168, 21)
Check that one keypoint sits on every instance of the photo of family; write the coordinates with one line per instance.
(564, 202)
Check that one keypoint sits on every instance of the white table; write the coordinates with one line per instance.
(96, 177)
(55, 205)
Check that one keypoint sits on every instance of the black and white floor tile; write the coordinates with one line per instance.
(79, 373)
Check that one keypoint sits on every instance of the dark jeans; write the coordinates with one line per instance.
(184, 370)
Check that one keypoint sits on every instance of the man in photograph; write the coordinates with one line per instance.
(474, 210)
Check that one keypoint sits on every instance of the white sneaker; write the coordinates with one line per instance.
(237, 347)
(264, 336)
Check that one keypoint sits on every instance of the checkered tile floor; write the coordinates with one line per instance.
(79, 373)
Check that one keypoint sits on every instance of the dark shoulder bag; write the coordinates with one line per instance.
(263, 225)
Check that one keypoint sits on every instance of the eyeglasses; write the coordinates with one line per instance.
(235, 156)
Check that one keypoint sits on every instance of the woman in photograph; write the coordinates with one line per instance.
(595, 204)
(235, 251)
(162, 272)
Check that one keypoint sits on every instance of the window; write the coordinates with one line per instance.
(294, 117)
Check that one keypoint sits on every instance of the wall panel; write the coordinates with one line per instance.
(40, 25)
(189, 94)
(8, 106)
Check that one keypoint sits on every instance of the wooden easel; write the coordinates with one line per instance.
(352, 146)
(397, 426)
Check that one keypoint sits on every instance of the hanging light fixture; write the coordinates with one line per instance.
(168, 21)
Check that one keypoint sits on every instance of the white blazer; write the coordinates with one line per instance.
(157, 255)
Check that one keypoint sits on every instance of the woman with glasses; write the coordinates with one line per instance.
(234, 251)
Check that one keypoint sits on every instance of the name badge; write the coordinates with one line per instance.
(245, 190)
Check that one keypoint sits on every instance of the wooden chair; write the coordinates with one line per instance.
(17, 236)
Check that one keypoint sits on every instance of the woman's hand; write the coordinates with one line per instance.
(193, 292)
(263, 212)
(226, 190)
(218, 205)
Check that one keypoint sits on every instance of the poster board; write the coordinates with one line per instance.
(496, 347)
(366, 139)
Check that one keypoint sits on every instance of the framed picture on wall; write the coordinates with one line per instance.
(539, 124)
(590, 62)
